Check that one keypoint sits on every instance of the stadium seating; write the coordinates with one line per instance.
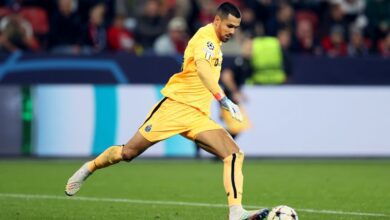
(38, 19)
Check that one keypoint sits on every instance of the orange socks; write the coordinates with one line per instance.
(233, 178)
(110, 156)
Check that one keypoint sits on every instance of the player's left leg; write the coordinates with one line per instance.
(221, 144)
(112, 155)
(161, 123)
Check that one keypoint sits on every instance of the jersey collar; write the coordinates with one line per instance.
(212, 30)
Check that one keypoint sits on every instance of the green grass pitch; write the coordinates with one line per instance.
(188, 189)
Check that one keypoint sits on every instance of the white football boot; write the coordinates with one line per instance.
(238, 213)
(76, 180)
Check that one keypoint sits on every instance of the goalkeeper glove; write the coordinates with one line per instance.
(234, 110)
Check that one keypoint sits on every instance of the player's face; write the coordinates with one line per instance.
(227, 27)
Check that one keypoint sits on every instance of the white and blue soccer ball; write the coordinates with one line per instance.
(282, 212)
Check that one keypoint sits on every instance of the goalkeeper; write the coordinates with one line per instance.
(185, 110)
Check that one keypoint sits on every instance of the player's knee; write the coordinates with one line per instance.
(240, 155)
(237, 156)
(235, 150)
(233, 147)
(129, 154)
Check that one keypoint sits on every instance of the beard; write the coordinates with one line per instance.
(226, 38)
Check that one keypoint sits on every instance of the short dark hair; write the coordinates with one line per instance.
(227, 8)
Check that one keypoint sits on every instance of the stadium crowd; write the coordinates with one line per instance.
(315, 27)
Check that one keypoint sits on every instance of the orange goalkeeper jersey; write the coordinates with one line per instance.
(186, 86)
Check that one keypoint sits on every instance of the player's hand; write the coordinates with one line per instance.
(234, 110)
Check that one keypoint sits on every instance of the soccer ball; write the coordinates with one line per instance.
(282, 212)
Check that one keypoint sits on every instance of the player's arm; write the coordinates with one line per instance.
(203, 67)
(204, 70)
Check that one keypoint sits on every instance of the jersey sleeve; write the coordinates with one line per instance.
(204, 49)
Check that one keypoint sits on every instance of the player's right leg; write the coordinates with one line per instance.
(219, 143)
(112, 155)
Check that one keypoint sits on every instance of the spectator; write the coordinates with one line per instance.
(119, 38)
(304, 40)
(378, 14)
(352, 9)
(84, 8)
(335, 17)
(357, 46)
(267, 62)
(150, 25)
(175, 41)
(65, 22)
(384, 46)
(206, 14)
(94, 33)
(335, 45)
(284, 37)
(264, 9)
(249, 26)
(284, 19)
(182, 8)
(17, 34)
(128, 8)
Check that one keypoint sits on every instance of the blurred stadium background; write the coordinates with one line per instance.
(78, 76)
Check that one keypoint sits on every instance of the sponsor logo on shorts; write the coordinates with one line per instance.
(148, 128)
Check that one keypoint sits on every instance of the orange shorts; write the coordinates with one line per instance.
(169, 117)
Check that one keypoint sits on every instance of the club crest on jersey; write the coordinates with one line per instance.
(148, 128)
(210, 45)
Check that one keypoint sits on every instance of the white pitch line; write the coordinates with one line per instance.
(177, 203)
